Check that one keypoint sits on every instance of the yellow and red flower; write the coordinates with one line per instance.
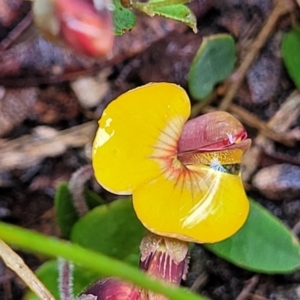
(183, 175)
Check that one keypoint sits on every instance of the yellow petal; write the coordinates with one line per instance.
(136, 132)
(200, 204)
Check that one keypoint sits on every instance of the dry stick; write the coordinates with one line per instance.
(255, 122)
(282, 7)
(16, 263)
(16, 32)
(198, 107)
(27, 150)
(252, 282)
(199, 282)
(296, 228)
(280, 123)
(277, 128)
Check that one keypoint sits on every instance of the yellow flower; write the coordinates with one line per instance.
(184, 176)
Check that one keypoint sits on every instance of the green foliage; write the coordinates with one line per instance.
(263, 244)
(291, 54)
(124, 19)
(178, 12)
(111, 229)
(66, 213)
(213, 63)
(172, 9)
(91, 260)
(48, 274)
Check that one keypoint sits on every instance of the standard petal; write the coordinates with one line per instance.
(200, 205)
(137, 132)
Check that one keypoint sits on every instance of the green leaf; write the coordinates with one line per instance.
(66, 213)
(178, 12)
(48, 274)
(213, 63)
(263, 244)
(92, 199)
(291, 54)
(111, 229)
(172, 9)
(124, 19)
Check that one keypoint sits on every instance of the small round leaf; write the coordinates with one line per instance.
(213, 63)
(111, 229)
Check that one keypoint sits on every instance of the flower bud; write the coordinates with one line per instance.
(165, 259)
(83, 25)
(110, 288)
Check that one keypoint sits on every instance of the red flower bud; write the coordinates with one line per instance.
(165, 259)
(84, 27)
(110, 288)
(162, 258)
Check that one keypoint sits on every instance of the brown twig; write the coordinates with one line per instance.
(296, 228)
(29, 150)
(279, 123)
(282, 7)
(16, 263)
(199, 282)
(198, 107)
(250, 284)
(254, 122)
(17, 32)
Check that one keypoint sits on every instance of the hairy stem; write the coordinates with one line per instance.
(76, 187)
(65, 279)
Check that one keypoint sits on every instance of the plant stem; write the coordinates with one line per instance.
(65, 279)
(76, 187)
(93, 261)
